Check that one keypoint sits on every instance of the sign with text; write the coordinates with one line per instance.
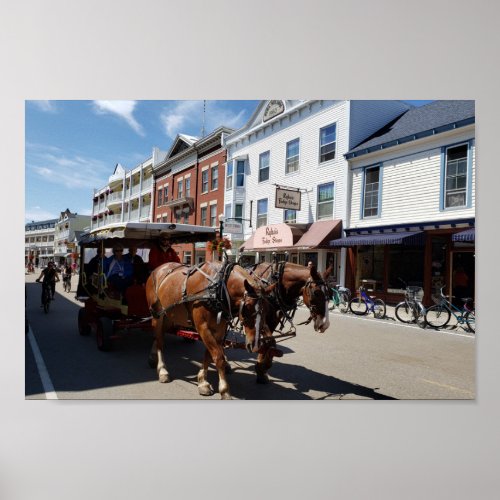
(287, 199)
(233, 227)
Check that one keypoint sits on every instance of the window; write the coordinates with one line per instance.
(292, 156)
(165, 194)
(325, 201)
(327, 142)
(213, 215)
(203, 216)
(264, 166)
(204, 181)
(456, 177)
(160, 198)
(238, 211)
(188, 187)
(187, 258)
(262, 212)
(228, 211)
(215, 177)
(240, 173)
(371, 195)
(180, 189)
(290, 216)
(229, 175)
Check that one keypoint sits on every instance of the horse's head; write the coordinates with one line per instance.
(254, 307)
(316, 295)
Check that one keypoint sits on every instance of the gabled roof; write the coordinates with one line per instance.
(416, 123)
(181, 142)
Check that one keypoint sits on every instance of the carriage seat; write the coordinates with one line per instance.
(135, 297)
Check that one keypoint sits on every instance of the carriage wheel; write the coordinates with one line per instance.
(104, 331)
(83, 324)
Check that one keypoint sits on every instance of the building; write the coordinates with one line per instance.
(189, 187)
(412, 202)
(127, 197)
(67, 229)
(290, 155)
(39, 242)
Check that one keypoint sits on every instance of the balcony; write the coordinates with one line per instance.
(115, 198)
(185, 200)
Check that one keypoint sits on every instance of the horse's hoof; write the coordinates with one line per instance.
(262, 379)
(226, 395)
(165, 378)
(205, 389)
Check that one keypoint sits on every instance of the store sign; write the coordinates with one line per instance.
(287, 199)
(273, 236)
(233, 227)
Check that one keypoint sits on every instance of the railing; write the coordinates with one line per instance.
(134, 215)
(147, 183)
(115, 197)
(145, 212)
(113, 218)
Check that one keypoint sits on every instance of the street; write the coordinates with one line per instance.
(356, 358)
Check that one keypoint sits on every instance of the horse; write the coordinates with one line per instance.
(290, 281)
(206, 297)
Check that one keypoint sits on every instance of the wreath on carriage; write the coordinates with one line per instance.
(219, 245)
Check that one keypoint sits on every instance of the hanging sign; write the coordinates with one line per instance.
(288, 199)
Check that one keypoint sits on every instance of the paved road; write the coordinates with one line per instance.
(357, 358)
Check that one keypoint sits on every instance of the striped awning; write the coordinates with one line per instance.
(403, 238)
(467, 235)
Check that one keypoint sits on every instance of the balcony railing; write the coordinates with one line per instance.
(113, 197)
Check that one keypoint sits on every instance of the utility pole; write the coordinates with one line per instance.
(203, 126)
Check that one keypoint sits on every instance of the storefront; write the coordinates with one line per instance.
(427, 255)
(304, 243)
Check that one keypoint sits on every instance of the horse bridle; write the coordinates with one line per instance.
(257, 314)
(313, 308)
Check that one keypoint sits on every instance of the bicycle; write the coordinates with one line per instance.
(439, 315)
(411, 309)
(340, 298)
(363, 303)
(46, 296)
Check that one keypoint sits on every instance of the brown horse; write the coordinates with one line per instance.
(206, 298)
(290, 282)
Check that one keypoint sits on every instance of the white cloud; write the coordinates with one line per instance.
(122, 109)
(47, 106)
(187, 117)
(38, 214)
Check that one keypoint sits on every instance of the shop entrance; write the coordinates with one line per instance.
(463, 275)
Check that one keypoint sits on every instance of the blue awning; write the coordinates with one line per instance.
(404, 238)
(468, 235)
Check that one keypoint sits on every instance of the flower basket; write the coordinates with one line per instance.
(219, 245)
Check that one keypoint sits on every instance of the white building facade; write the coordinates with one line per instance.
(67, 229)
(39, 242)
(297, 147)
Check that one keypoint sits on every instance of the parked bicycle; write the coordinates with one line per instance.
(411, 310)
(340, 298)
(439, 315)
(363, 303)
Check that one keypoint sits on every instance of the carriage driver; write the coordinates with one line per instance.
(162, 252)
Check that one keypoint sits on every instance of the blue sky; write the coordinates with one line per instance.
(72, 147)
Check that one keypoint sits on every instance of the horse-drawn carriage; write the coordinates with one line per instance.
(212, 301)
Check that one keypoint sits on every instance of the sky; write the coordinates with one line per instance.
(72, 147)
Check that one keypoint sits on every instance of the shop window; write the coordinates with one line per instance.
(262, 212)
(371, 194)
(456, 177)
(331, 263)
(406, 263)
(370, 267)
(327, 142)
(325, 201)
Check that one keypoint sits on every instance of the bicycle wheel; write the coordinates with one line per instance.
(470, 319)
(46, 302)
(404, 313)
(358, 306)
(379, 309)
(343, 302)
(437, 316)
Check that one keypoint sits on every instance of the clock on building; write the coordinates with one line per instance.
(273, 109)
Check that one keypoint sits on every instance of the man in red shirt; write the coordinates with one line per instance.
(161, 253)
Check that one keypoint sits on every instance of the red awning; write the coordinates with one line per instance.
(319, 234)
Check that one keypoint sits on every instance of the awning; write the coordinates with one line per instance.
(402, 238)
(276, 237)
(467, 235)
(247, 245)
(319, 234)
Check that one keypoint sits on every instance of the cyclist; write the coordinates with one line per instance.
(50, 277)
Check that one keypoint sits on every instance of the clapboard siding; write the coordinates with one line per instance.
(411, 183)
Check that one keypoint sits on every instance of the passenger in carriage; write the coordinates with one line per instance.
(140, 270)
(118, 270)
(162, 252)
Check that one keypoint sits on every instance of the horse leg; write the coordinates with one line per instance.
(161, 369)
(264, 363)
(204, 387)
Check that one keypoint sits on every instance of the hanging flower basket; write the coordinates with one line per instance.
(219, 245)
(107, 191)
(101, 196)
(95, 198)
(110, 212)
(94, 217)
(100, 216)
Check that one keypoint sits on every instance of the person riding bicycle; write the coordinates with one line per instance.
(50, 277)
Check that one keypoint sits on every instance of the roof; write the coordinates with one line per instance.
(416, 123)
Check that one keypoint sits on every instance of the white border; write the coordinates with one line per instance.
(157, 50)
